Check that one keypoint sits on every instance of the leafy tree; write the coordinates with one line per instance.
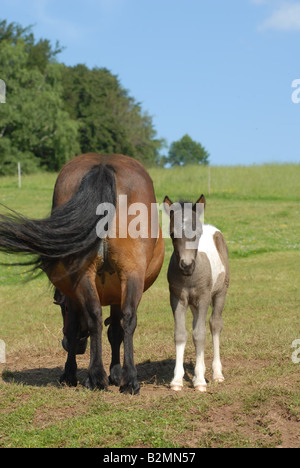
(110, 121)
(13, 32)
(186, 151)
(34, 127)
(39, 54)
(54, 112)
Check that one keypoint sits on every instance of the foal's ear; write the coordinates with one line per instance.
(167, 205)
(201, 201)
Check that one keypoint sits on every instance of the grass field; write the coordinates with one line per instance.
(258, 210)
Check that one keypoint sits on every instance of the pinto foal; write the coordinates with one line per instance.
(198, 275)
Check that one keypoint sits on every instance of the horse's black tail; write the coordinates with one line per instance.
(69, 234)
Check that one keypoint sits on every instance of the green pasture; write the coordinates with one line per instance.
(258, 210)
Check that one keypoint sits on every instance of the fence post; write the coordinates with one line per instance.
(2, 352)
(19, 175)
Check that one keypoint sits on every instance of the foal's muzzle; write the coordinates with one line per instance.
(187, 270)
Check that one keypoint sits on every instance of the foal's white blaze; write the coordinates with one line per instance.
(207, 246)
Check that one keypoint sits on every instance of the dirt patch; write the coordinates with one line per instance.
(224, 414)
(271, 428)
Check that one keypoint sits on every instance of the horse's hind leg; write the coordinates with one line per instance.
(90, 306)
(115, 335)
(69, 375)
(132, 290)
(216, 325)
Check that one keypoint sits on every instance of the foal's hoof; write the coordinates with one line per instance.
(201, 388)
(219, 379)
(176, 388)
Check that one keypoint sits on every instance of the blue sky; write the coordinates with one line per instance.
(219, 70)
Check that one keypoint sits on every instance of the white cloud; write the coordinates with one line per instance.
(285, 18)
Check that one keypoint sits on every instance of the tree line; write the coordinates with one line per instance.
(54, 111)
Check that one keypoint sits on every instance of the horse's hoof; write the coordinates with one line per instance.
(96, 380)
(201, 388)
(130, 388)
(93, 385)
(114, 381)
(115, 375)
(68, 380)
(176, 388)
(219, 379)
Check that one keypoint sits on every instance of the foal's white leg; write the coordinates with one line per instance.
(199, 332)
(216, 325)
(179, 311)
(216, 365)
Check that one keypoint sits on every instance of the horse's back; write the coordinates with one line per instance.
(129, 174)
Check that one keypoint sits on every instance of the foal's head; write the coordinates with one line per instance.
(185, 231)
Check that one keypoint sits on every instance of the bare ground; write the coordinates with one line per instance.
(269, 422)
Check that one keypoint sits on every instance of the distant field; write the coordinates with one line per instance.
(258, 210)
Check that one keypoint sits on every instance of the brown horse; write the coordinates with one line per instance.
(91, 270)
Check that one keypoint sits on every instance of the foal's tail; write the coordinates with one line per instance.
(69, 234)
